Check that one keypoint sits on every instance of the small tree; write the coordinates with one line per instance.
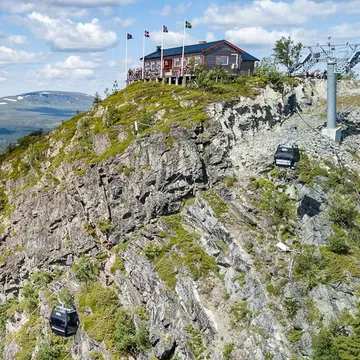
(115, 88)
(287, 53)
(192, 65)
(97, 98)
(106, 92)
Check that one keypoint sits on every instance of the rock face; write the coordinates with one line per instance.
(212, 283)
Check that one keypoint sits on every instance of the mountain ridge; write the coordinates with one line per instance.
(174, 231)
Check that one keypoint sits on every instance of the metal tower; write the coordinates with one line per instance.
(340, 59)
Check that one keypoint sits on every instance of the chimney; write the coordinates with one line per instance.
(158, 48)
(202, 42)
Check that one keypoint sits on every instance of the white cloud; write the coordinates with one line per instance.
(66, 35)
(11, 56)
(121, 63)
(45, 7)
(124, 22)
(166, 10)
(17, 39)
(93, 3)
(258, 36)
(210, 36)
(172, 38)
(75, 62)
(2, 79)
(54, 6)
(266, 12)
(50, 72)
(346, 31)
(173, 9)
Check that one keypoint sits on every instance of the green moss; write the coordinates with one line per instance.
(4, 255)
(106, 226)
(295, 335)
(217, 204)
(241, 312)
(127, 171)
(170, 142)
(95, 355)
(228, 348)
(195, 341)
(89, 228)
(273, 290)
(117, 265)
(183, 249)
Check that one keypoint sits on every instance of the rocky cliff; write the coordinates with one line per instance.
(184, 241)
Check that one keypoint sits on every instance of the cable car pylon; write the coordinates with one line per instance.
(340, 59)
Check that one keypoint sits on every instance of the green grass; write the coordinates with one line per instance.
(216, 203)
(118, 265)
(183, 249)
(137, 102)
(101, 301)
(195, 341)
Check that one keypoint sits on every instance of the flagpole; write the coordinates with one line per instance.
(162, 52)
(183, 51)
(143, 58)
(126, 56)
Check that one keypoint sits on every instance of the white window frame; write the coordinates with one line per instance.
(222, 63)
(153, 66)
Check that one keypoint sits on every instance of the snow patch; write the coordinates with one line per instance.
(9, 99)
(3, 103)
(20, 97)
(45, 92)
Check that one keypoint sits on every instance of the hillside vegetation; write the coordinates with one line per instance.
(167, 241)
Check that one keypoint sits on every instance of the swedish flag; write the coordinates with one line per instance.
(188, 25)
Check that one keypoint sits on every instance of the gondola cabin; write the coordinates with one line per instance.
(64, 321)
(287, 156)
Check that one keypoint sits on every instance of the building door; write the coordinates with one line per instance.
(167, 65)
(234, 62)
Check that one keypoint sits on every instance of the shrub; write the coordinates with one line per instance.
(117, 265)
(228, 348)
(41, 278)
(66, 297)
(337, 244)
(342, 211)
(291, 306)
(152, 251)
(46, 352)
(130, 340)
(85, 269)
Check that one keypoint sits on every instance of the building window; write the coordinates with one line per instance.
(197, 59)
(153, 65)
(159, 65)
(147, 65)
(176, 62)
(222, 59)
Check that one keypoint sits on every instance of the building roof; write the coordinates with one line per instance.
(196, 48)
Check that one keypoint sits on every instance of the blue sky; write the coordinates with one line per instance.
(79, 45)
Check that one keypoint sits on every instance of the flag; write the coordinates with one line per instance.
(165, 29)
(128, 36)
(147, 34)
(188, 25)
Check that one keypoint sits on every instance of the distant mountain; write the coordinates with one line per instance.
(21, 114)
